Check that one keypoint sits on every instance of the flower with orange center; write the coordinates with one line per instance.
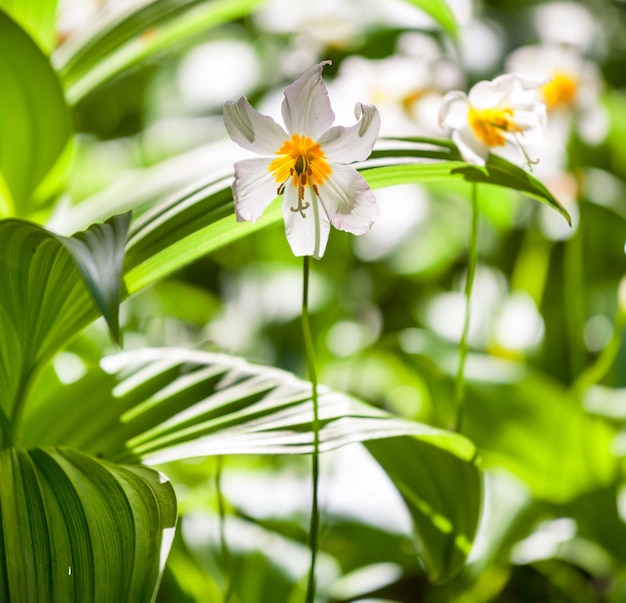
(302, 161)
(306, 164)
(560, 91)
(496, 115)
(572, 92)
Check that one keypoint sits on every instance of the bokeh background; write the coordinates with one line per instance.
(546, 400)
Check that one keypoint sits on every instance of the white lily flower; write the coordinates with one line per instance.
(306, 163)
(496, 115)
(572, 91)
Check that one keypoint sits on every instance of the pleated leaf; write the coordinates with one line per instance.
(134, 32)
(75, 529)
(99, 255)
(34, 118)
(162, 405)
(44, 300)
(201, 219)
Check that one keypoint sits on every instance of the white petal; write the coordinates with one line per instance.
(345, 145)
(307, 235)
(306, 107)
(485, 94)
(348, 199)
(251, 130)
(453, 111)
(254, 188)
(471, 148)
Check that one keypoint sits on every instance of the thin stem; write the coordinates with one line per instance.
(459, 388)
(228, 567)
(574, 299)
(6, 437)
(595, 372)
(310, 357)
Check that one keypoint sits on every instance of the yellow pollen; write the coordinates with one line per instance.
(490, 125)
(302, 161)
(560, 91)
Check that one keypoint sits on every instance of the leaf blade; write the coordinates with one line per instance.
(34, 118)
(98, 532)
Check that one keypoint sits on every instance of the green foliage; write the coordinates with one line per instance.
(34, 119)
(84, 517)
(75, 528)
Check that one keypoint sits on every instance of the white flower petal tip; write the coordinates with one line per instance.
(495, 115)
(306, 164)
(251, 130)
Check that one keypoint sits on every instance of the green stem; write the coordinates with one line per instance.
(21, 398)
(6, 437)
(595, 372)
(310, 357)
(226, 558)
(459, 388)
(574, 299)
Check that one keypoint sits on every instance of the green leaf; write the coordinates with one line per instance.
(527, 423)
(168, 404)
(36, 17)
(162, 405)
(440, 12)
(34, 119)
(125, 37)
(187, 226)
(43, 298)
(74, 528)
(432, 484)
(99, 255)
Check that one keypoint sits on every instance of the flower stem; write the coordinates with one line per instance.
(310, 357)
(459, 387)
(595, 372)
(226, 558)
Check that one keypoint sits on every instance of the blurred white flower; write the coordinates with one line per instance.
(496, 116)
(573, 89)
(406, 88)
(307, 164)
(568, 23)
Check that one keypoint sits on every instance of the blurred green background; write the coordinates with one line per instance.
(546, 403)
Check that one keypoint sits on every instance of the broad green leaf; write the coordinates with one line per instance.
(36, 17)
(99, 255)
(431, 486)
(184, 227)
(135, 32)
(74, 528)
(528, 423)
(164, 405)
(34, 119)
(440, 12)
(44, 300)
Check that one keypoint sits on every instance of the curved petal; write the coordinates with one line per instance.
(487, 94)
(349, 201)
(471, 148)
(355, 143)
(251, 130)
(306, 108)
(453, 110)
(254, 188)
(307, 231)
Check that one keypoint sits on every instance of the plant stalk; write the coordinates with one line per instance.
(310, 357)
(459, 388)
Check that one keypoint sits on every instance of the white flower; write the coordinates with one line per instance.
(496, 115)
(574, 87)
(306, 163)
